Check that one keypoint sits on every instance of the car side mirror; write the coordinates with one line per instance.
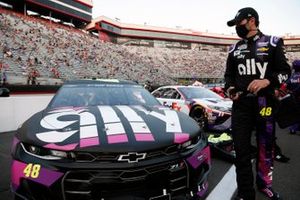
(4, 92)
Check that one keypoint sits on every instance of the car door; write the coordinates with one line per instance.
(178, 102)
(158, 94)
(162, 95)
(170, 97)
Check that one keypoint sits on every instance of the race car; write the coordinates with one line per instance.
(108, 140)
(219, 90)
(210, 110)
(4, 92)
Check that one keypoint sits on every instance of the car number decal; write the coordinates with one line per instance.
(32, 170)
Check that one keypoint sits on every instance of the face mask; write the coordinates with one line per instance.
(241, 31)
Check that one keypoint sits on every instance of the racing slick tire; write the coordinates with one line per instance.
(198, 114)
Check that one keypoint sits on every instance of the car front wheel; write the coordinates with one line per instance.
(198, 114)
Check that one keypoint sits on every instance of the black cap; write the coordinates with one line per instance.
(244, 13)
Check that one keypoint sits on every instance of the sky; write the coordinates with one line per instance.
(277, 17)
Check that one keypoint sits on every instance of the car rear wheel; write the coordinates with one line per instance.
(198, 115)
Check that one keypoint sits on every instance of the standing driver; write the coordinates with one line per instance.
(255, 66)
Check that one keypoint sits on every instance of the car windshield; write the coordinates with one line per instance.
(198, 93)
(102, 94)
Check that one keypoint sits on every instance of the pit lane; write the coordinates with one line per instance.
(286, 175)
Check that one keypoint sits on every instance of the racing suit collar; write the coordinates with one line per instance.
(254, 38)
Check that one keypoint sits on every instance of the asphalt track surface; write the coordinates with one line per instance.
(286, 175)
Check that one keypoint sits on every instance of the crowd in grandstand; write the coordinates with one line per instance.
(33, 48)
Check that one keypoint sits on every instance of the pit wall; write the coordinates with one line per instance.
(16, 109)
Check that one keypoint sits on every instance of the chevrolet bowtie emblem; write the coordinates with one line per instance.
(132, 157)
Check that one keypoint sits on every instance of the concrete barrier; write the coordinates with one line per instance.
(14, 110)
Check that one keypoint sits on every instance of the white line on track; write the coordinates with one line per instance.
(226, 187)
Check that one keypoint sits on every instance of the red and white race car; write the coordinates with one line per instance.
(210, 110)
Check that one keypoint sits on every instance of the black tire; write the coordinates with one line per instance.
(198, 114)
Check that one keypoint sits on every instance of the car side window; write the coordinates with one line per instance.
(177, 95)
(158, 93)
(171, 94)
(166, 93)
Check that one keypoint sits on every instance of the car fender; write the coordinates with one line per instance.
(198, 106)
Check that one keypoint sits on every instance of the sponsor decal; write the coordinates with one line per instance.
(140, 129)
(199, 157)
(236, 53)
(252, 68)
(262, 54)
(282, 78)
(295, 80)
(60, 129)
(240, 52)
(173, 105)
(262, 44)
(177, 166)
(262, 49)
(114, 129)
(242, 47)
(171, 119)
(132, 157)
(240, 57)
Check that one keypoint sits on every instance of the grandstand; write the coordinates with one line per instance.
(143, 35)
(77, 12)
(49, 52)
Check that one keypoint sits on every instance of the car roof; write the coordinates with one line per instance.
(100, 81)
(180, 86)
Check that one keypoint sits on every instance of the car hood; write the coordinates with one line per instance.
(108, 128)
(223, 104)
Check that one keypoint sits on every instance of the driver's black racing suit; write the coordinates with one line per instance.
(258, 57)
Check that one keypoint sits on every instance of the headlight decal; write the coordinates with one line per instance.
(45, 153)
(34, 172)
(199, 157)
(67, 147)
